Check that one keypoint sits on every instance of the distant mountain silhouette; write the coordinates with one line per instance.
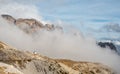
(107, 45)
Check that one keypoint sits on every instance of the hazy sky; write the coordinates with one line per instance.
(97, 18)
(90, 16)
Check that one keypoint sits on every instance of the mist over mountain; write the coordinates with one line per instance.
(23, 27)
(30, 25)
(56, 43)
(115, 42)
(14, 61)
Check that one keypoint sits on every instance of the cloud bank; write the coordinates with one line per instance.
(113, 27)
(59, 45)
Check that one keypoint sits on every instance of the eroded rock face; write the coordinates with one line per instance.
(30, 25)
(30, 63)
(87, 67)
(8, 53)
(8, 69)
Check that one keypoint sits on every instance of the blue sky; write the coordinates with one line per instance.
(90, 11)
(97, 18)
(87, 15)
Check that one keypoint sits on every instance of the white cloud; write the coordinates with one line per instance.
(19, 10)
(53, 44)
(59, 45)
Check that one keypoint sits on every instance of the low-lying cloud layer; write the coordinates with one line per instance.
(58, 45)
(69, 45)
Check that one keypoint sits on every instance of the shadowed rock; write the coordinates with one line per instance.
(107, 45)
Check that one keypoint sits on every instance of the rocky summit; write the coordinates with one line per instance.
(14, 61)
(29, 25)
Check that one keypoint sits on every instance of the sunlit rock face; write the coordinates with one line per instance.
(30, 25)
(24, 62)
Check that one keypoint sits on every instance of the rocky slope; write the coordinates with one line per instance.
(13, 61)
(29, 25)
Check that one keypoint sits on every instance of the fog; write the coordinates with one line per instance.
(56, 44)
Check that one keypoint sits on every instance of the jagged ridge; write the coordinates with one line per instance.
(29, 25)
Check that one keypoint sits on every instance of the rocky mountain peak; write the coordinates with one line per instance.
(29, 25)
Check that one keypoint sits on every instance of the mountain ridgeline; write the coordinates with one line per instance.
(30, 25)
(109, 45)
(25, 62)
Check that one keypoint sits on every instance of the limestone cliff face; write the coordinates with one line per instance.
(24, 62)
(29, 25)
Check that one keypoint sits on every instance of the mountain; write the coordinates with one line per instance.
(29, 25)
(14, 61)
(109, 45)
(113, 44)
